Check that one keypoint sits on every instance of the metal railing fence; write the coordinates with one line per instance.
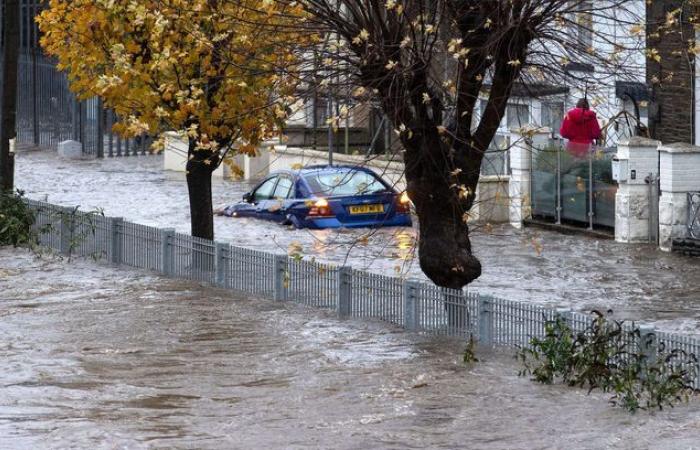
(414, 305)
(694, 215)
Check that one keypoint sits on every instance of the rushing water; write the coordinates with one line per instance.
(102, 358)
(636, 281)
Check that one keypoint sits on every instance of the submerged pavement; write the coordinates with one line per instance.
(100, 357)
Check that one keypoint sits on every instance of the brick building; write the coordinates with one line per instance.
(670, 72)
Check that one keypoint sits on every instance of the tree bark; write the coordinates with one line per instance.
(444, 249)
(9, 91)
(200, 166)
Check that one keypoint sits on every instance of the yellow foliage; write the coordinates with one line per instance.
(207, 68)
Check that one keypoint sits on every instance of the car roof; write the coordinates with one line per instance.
(323, 168)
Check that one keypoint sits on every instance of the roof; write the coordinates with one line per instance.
(314, 168)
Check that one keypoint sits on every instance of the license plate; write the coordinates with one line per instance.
(366, 209)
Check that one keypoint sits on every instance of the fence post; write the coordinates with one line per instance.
(411, 312)
(648, 344)
(100, 129)
(344, 291)
(279, 278)
(485, 320)
(220, 263)
(115, 225)
(65, 230)
(166, 251)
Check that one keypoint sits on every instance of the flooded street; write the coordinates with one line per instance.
(537, 266)
(101, 357)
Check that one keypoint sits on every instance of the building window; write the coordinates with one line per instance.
(552, 115)
(517, 116)
(584, 25)
(495, 160)
(321, 112)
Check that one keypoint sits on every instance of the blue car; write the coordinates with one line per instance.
(325, 197)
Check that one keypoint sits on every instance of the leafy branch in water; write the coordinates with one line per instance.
(469, 355)
(614, 357)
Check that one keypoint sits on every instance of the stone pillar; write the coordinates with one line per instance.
(638, 158)
(522, 142)
(680, 174)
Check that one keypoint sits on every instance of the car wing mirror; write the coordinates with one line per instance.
(247, 197)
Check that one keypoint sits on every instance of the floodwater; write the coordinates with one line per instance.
(638, 282)
(102, 358)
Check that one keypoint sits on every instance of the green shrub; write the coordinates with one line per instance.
(612, 357)
(16, 221)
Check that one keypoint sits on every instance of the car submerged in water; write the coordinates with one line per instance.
(325, 197)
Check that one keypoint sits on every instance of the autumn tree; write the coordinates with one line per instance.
(206, 68)
(429, 64)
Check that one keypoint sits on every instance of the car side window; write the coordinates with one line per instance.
(264, 191)
(284, 188)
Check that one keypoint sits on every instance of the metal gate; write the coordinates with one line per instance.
(694, 215)
(654, 192)
(48, 113)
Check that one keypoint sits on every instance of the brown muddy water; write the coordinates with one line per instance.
(98, 357)
(638, 282)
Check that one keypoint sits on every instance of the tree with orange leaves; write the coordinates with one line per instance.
(207, 68)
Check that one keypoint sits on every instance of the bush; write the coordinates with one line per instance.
(613, 357)
(16, 221)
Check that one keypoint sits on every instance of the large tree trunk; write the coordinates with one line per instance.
(444, 248)
(200, 166)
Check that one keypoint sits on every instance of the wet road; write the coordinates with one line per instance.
(101, 358)
(637, 282)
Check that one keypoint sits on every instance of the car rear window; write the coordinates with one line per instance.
(344, 183)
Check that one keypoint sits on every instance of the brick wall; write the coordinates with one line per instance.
(671, 80)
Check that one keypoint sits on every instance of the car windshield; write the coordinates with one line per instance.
(352, 182)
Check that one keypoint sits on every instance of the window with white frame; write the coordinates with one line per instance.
(552, 115)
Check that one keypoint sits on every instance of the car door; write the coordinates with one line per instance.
(280, 198)
(265, 204)
(258, 198)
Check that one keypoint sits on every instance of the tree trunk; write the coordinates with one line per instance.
(10, 37)
(200, 166)
(442, 186)
(444, 249)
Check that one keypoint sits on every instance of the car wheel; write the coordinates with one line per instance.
(291, 221)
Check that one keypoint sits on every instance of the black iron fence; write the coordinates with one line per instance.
(49, 113)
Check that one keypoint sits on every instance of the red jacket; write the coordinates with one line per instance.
(580, 126)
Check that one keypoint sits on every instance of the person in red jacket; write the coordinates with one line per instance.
(580, 127)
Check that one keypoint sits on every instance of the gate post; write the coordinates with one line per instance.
(280, 278)
(485, 320)
(115, 225)
(411, 311)
(220, 263)
(166, 251)
(344, 292)
(523, 143)
(67, 227)
(636, 158)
